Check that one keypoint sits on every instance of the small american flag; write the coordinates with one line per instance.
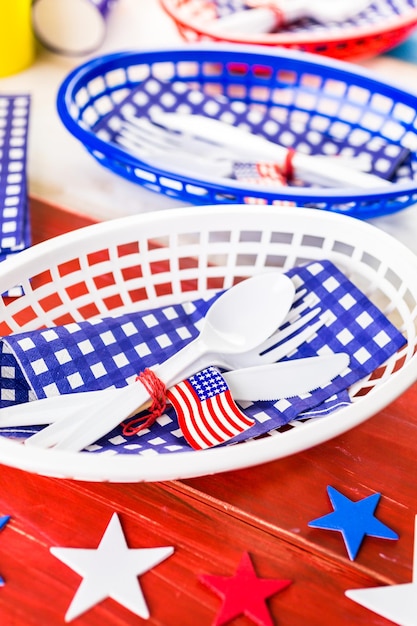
(269, 174)
(206, 411)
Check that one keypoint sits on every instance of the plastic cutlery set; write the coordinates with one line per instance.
(206, 146)
(234, 336)
(260, 382)
(264, 16)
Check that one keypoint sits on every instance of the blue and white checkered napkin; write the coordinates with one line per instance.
(14, 217)
(387, 160)
(108, 352)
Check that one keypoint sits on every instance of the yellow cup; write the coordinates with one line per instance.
(17, 47)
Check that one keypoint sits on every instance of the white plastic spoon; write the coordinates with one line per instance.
(240, 319)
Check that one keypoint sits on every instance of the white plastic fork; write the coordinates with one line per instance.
(282, 343)
(148, 149)
(149, 136)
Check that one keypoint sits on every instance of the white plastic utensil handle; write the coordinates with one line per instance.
(249, 147)
(176, 161)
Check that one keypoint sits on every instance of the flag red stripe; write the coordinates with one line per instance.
(204, 416)
(180, 402)
(198, 415)
(242, 421)
(210, 422)
(213, 415)
(226, 416)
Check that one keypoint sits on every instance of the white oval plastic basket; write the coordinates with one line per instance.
(198, 252)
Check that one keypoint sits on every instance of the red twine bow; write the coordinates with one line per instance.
(288, 169)
(276, 173)
(157, 390)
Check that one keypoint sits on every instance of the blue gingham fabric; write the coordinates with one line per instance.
(101, 353)
(14, 115)
(387, 160)
(15, 234)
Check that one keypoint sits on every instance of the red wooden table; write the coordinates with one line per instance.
(212, 521)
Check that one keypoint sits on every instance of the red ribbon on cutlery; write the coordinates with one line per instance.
(207, 414)
(157, 390)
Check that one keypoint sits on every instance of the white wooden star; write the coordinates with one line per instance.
(397, 603)
(110, 571)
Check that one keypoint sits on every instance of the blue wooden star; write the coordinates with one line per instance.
(3, 521)
(354, 520)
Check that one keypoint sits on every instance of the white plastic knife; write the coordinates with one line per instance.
(286, 378)
(262, 382)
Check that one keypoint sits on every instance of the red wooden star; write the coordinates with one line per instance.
(244, 593)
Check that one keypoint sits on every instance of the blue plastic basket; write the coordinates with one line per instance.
(344, 106)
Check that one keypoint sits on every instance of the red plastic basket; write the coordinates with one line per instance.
(389, 25)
